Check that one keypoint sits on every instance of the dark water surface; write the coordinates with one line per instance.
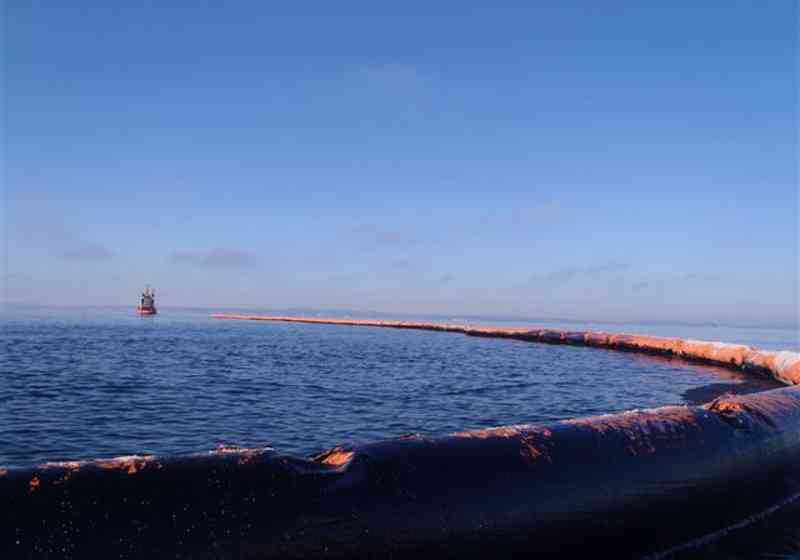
(104, 382)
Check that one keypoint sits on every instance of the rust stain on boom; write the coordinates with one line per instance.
(782, 366)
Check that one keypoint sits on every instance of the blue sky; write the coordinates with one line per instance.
(611, 161)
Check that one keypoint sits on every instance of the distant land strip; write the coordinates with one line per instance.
(783, 366)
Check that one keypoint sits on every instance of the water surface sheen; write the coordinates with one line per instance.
(97, 383)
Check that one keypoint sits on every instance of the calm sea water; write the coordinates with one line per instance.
(101, 382)
(80, 384)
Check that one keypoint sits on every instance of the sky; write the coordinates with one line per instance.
(580, 160)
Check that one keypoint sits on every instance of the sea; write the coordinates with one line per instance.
(80, 383)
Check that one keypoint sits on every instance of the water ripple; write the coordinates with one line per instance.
(116, 384)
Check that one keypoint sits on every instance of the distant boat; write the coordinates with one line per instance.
(148, 304)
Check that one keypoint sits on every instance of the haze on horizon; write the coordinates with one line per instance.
(615, 161)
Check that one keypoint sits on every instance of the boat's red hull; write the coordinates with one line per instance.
(146, 310)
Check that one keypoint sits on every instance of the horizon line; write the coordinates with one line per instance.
(444, 316)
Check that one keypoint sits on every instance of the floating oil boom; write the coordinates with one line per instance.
(644, 483)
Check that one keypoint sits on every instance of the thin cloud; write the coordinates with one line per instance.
(397, 80)
(661, 283)
(561, 276)
(607, 268)
(15, 278)
(700, 276)
(372, 237)
(547, 212)
(219, 257)
(535, 217)
(345, 278)
(60, 239)
(402, 264)
(87, 252)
